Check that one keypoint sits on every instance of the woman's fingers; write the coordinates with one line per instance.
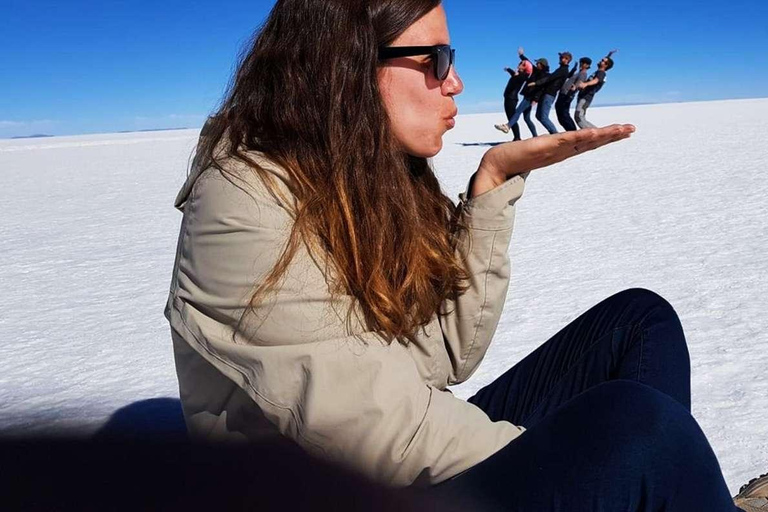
(603, 136)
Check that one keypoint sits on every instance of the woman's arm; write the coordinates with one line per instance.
(488, 211)
(469, 322)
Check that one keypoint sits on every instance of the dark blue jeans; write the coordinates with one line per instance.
(606, 405)
(523, 109)
(543, 110)
(562, 109)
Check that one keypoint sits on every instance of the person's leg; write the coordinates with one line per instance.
(569, 120)
(619, 446)
(581, 113)
(559, 110)
(633, 335)
(563, 107)
(510, 105)
(543, 110)
(527, 117)
(518, 111)
(577, 115)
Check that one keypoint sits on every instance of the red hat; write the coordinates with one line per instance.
(527, 66)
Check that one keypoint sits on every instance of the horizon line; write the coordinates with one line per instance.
(606, 105)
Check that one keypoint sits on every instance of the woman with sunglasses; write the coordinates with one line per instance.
(327, 291)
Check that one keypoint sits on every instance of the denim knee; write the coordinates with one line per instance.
(644, 424)
(631, 401)
(652, 438)
(642, 294)
(644, 300)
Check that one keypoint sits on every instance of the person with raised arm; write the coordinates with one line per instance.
(517, 79)
(530, 94)
(588, 90)
(550, 85)
(568, 93)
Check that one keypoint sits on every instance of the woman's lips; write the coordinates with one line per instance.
(450, 119)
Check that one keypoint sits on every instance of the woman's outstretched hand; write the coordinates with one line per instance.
(504, 161)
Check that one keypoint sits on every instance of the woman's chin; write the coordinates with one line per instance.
(427, 150)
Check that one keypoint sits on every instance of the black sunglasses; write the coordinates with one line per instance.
(443, 56)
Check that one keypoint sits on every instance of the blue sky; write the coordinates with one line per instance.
(85, 66)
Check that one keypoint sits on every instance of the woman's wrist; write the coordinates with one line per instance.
(485, 179)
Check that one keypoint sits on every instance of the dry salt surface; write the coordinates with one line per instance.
(89, 232)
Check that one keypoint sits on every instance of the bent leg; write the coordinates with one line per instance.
(619, 446)
(581, 114)
(510, 105)
(633, 335)
(521, 107)
(528, 122)
(560, 110)
(542, 113)
(562, 107)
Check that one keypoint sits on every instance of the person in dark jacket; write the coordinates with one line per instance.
(530, 94)
(515, 83)
(549, 87)
(568, 92)
(588, 89)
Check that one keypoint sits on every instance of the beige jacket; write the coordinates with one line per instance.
(308, 373)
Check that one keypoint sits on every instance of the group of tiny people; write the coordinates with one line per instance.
(538, 85)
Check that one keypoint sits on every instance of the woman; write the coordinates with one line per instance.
(327, 291)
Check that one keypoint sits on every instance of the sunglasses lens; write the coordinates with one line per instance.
(443, 63)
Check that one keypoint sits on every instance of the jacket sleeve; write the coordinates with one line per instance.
(558, 73)
(321, 379)
(469, 323)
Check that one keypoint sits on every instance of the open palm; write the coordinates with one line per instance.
(512, 158)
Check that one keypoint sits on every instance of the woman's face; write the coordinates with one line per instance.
(420, 107)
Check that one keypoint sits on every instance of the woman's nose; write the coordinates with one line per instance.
(452, 85)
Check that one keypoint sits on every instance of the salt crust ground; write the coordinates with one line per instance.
(89, 231)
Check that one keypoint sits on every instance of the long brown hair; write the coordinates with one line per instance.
(306, 95)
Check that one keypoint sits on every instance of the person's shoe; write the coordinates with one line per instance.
(502, 127)
(753, 496)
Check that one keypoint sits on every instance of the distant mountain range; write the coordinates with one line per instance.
(34, 136)
(154, 130)
(43, 135)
